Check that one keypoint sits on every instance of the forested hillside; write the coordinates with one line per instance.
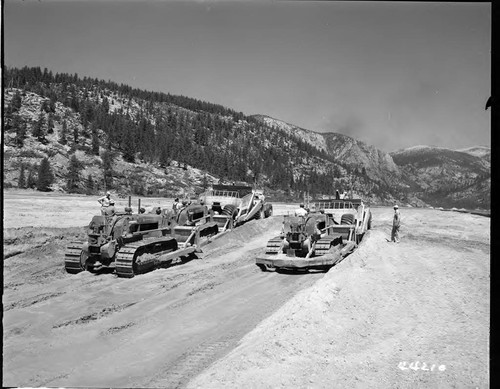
(102, 123)
(84, 135)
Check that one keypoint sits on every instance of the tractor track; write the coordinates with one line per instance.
(192, 362)
(183, 318)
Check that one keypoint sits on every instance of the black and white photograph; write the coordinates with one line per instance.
(246, 194)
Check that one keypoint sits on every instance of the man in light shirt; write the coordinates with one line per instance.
(396, 222)
(104, 201)
(301, 211)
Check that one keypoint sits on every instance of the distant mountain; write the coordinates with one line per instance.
(99, 135)
(478, 151)
(445, 177)
(344, 149)
(315, 139)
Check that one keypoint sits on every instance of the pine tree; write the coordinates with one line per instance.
(64, 133)
(50, 124)
(45, 106)
(45, 176)
(73, 175)
(95, 139)
(52, 103)
(31, 180)
(38, 128)
(16, 102)
(128, 144)
(90, 184)
(75, 134)
(20, 127)
(22, 178)
(107, 164)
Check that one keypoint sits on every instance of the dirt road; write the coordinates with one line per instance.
(155, 330)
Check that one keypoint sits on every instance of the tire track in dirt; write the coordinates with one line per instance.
(105, 312)
(32, 300)
(176, 320)
(191, 363)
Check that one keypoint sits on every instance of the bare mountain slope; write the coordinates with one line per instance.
(483, 152)
(349, 151)
(313, 138)
(446, 177)
(161, 144)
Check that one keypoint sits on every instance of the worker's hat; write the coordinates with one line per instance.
(108, 193)
(396, 206)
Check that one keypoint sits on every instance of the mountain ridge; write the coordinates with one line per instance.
(165, 144)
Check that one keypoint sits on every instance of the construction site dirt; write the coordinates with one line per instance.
(218, 321)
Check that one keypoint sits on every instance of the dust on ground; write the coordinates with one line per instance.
(407, 315)
(218, 321)
(156, 330)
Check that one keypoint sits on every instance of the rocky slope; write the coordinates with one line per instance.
(342, 148)
(167, 145)
(361, 167)
(172, 180)
(483, 152)
(442, 176)
(310, 164)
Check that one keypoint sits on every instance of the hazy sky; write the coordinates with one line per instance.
(391, 74)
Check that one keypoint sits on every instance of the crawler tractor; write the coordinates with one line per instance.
(136, 243)
(318, 240)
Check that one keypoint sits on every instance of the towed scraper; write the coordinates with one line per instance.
(319, 240)
(234, 205)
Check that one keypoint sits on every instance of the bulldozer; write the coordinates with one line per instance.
(133, 244)
(318, 240)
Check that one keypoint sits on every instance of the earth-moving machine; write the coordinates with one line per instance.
(350, 217)
(234, 205)
(136, 243)
(318, 240)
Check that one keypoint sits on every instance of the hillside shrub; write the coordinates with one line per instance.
(30, 153)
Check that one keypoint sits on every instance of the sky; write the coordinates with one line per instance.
(393, 75)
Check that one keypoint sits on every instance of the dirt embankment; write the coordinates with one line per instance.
(407, 315)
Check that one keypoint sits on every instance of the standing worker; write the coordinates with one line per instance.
(176, 205)
(301, 211)
(104, 201)
(396, 222)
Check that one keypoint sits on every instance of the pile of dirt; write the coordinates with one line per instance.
(389, 315)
